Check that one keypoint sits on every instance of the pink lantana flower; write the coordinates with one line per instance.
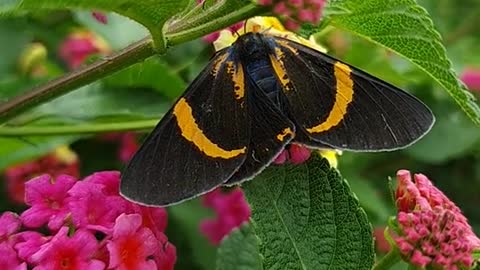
(295, 12)
(61, 161)
(132, 246)
(79, 45)
(432, 229)
(166, 257)
(29, 243)
(9, 225)
(154, 218)
(92, 208)
(65, 252)
(471, 77)
(293, 153)
(109, 181)
(8, 258)
(232, 210)
(48, 201)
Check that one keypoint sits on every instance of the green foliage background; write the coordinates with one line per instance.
(449, 154)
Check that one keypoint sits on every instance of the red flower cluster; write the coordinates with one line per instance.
(433, 230)
(89, 227)
(296, 12)
(232, 210)
(61, 161)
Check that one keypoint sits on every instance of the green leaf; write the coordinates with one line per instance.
(13, 39)
(369, 198)
(150, 13)
(152, 73)
(240, 250)
(405, 28)
(307, 218)
(14, 150)
(434, 149)
(94, 101)
(119, 32)
(184, 232)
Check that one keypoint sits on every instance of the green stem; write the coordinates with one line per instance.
(389, 260)
(66, 83)
(76, 129)
(132, 54)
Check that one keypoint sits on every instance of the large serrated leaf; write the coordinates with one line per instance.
(307, 218)
(406, 28)
(150, 13)
(240, 250)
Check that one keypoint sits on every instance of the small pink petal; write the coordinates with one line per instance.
(281, 158)
(298, 153)
(9, 224)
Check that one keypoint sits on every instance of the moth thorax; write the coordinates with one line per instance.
(252, 47)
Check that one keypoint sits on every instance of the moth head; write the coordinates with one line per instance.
(252, 46)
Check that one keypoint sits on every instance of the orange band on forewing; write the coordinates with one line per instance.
(218, 63)
(238, 78)
(192, 133)
(343, 97)
(279, 69)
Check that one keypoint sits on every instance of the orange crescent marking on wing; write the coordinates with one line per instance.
(192, 133)
(343, 97)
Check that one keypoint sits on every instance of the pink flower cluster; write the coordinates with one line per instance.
(433, 230)
(232, 210)
(78, 46)
(296, 12)
(293, 153)
(471, 77)
(53, 164)
(81, 225)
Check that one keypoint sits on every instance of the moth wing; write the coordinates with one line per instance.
(198, 144)
(343, 107)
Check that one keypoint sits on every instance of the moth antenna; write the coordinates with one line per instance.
(245, 26)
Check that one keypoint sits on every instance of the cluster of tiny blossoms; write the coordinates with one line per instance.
(433, 231)
(81, 225)
(295, 12)
(60, 161)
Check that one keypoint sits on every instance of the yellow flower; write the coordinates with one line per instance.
(268, 25)
(331, 156)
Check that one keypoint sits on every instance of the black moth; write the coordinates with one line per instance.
(253, 99)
